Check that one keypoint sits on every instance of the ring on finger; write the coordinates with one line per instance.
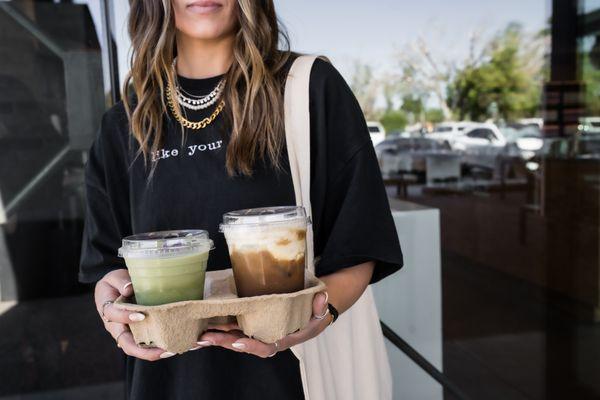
(107, 302)
(322, 315)
(119, 336)
(276, 349)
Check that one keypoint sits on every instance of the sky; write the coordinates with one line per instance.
(374, 31)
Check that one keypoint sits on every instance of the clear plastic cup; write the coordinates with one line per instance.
(267, 248)
(167, 266)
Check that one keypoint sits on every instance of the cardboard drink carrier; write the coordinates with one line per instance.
(178, 259)
(175, 327)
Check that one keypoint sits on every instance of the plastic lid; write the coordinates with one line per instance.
(265, 215)
(165, 243)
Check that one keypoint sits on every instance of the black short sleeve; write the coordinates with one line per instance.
(352, 217)
(107, 212)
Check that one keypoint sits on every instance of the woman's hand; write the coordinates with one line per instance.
(345, 287)
(230, 337)
(116, 321)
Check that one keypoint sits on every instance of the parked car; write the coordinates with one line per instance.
(535, 122)
(481, 145)
(524, 140)
(377, 132)
(589, 125)
(448, 131)
(398, 134)
(479, 136)
(581, 147)
(408, 155)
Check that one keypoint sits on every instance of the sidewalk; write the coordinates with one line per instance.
(57, 348)
(113, 391)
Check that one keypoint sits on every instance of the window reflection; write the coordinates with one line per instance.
(52, 96)
(51, 100)
(514, 167)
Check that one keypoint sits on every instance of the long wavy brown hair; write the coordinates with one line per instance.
(253, 93)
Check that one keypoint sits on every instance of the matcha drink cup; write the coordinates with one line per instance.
(167, 266)
(267, 248)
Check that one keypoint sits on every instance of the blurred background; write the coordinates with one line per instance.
(485, 117)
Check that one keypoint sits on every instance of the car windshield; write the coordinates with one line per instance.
(443, 129)
(374, 129)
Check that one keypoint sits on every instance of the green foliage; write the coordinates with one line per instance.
(394, 120)
(412, 104)
(591, 76)
(501, 82)
(434, 115)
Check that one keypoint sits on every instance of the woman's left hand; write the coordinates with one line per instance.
(230, 337)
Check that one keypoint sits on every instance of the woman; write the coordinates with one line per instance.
(202, 134)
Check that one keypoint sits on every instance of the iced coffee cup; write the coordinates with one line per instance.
(167, 266)
(267, 248)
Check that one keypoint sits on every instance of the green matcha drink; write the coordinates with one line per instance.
(167, 266)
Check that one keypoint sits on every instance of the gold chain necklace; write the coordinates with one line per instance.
(190, 124)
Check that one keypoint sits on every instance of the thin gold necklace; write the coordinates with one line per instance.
(187, 123)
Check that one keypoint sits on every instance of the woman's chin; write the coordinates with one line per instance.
(204, 33)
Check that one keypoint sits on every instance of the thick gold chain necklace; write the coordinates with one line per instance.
(190, 124)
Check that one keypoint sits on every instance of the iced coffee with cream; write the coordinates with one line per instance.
(267, 248)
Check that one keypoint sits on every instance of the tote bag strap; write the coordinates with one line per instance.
(348, 361)
(297, 135)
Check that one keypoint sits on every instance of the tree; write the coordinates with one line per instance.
(413, 106)
(394, 120)
(590, 66)
(365, 88)
(505, 79)
(422, 74)
(434, 115)
(498, 78)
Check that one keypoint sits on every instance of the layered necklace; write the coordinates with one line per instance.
(193, 102)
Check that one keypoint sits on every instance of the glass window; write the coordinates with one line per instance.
(54, 88)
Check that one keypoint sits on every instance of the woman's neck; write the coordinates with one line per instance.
(197, 59)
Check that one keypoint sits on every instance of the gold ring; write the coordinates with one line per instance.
(107, 302)
(323, 315)
(276, 349)
(119, 336)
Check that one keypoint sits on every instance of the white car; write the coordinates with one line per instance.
(526, 141)
(448, 131)
(480, 144)
(480, 135)
(377, 132)
(589, 125)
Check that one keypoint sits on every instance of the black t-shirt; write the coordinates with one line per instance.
(191, 189)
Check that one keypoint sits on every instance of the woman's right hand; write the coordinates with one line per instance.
(116, 321)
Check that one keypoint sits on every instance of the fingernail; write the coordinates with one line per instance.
(137, 317)
(195, 348)
(238, 345)
(167, 354)
(326, 297)
(126, 285)
(203, 343)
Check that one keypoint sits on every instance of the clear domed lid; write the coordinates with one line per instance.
(165, 243)
(265, 215)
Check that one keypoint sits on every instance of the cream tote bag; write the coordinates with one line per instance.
(348, 361)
